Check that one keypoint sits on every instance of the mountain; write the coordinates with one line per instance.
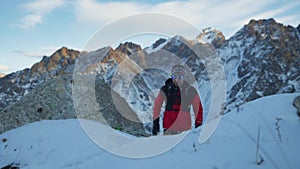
(16, 85)
(211, 35)
(2, 75)
(261, 59)
(64, 144)
(53, 100)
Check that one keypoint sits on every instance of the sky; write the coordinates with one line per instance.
(31, 29)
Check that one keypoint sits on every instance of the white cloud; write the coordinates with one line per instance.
(44, 51)
(228, 16)
(4, 68)
(276, 13)
(35, 11)
(28, 53)
(38, 53)
(31, 20)
(90, 11)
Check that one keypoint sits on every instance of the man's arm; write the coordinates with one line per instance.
(157, 104)
(198, 110)
(156, 111)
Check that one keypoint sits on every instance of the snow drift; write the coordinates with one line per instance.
(64, 144)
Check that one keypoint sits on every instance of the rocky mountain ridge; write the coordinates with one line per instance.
(261, 59)
(16, 85)
(213, 36)
(264, 58)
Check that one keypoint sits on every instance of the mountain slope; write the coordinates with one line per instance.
(63, 144)
(53, 100)
(16, 85)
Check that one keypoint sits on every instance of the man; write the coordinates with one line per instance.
(179, 96)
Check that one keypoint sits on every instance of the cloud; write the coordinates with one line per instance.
(228, 16)
(35, 11)
(4, 68)
(38, 53)
(44, 51)
(91, 11)
(276, 13)
(28, 53)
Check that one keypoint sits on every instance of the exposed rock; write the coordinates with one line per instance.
(267, 60)
(53, 100)
(56, 64)
(296, 103)
(159, 42)
(11, 166)
(16, 85)
(212, 36)
(128, 48)
(49, 101)
(134, 51)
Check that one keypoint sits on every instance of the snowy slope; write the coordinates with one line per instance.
(63, 143)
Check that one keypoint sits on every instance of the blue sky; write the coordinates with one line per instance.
(31, 29)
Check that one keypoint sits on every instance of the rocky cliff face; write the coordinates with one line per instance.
(57, 64)
(53, 100)
(16, 85)
(261, 59)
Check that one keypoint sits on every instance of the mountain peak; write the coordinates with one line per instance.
(178, 40)
(211, 35)
(158, 42)
(2, 75)
(270, 21)
(267, 29)
(128, 47)
(58, 60)
(263, 27)
(64, 52)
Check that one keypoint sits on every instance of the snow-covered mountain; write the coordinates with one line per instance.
(64, 144)
(261, 59)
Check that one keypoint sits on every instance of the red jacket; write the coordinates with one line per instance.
(178, 103)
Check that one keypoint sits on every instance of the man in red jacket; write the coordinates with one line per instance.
(179, 96)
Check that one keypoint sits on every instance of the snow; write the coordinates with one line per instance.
(159, 47)
(207, 35)
(65, 144)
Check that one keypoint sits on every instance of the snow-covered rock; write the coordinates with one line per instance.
(211, 35)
